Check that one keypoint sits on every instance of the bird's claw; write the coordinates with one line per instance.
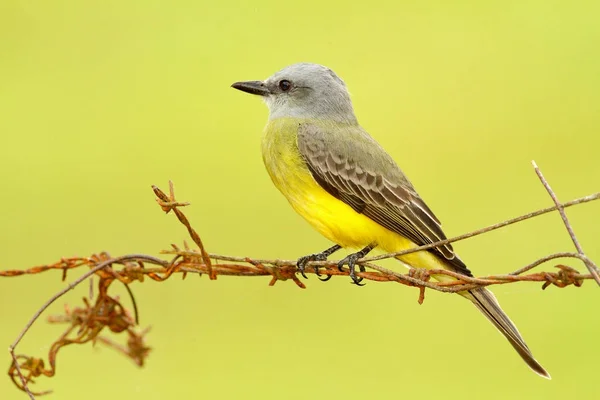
(350, 261)
(302, 261)
(322, 256)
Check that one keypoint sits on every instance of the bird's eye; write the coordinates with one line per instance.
(285, 85)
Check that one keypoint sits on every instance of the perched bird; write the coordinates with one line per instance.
(336, 176)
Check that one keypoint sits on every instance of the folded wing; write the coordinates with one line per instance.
(354, 168)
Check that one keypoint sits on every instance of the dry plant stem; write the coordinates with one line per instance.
(20, 373)
(490, 228)
(542, 260)
(589, 264)
(70, 286)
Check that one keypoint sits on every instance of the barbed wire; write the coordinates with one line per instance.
(103, 311)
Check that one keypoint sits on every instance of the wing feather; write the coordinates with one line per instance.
(355, 169)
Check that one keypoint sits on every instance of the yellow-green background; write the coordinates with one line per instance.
(101, 99)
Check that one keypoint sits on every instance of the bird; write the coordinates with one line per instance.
(338, 178)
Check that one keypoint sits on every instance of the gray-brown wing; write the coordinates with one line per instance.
(354, 168)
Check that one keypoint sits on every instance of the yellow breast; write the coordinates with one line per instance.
(331, 217)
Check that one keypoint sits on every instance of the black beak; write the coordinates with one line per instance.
(252, 87)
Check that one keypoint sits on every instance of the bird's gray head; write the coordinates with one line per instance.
(305, 91)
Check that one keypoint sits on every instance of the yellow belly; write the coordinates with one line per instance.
(333, 218)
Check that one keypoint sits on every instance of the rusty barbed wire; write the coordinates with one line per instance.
(106, 313)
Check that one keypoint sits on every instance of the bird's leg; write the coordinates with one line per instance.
(351, 259)
(322, 256)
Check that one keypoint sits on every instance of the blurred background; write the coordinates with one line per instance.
(100, 100)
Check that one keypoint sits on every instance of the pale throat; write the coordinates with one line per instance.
(312, 111)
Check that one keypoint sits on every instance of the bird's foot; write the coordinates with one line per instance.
(351, 260)
(322, 256)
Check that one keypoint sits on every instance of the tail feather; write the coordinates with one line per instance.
(485, 301)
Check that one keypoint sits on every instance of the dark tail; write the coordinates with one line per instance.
(485, 301)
